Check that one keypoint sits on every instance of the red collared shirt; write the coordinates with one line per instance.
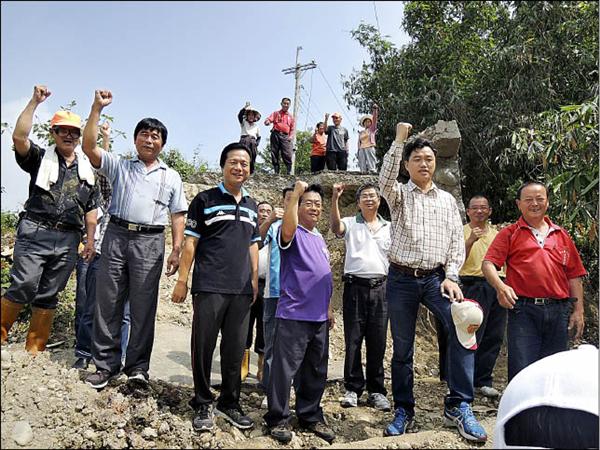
(282, 121)
(533, 271)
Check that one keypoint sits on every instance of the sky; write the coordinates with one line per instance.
(192, 65)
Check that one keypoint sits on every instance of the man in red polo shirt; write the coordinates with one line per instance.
(281, 135)
(543, 290)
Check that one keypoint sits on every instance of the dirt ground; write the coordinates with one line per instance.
(63, 412)
(45, 404)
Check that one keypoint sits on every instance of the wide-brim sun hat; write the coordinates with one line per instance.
(365, 117)
(256, 113)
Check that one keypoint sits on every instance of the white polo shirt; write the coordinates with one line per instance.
(366, 251)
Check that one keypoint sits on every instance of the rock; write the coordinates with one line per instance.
(404, 445)
(22, 433)
(149, 433)
(90, 435)
(5, 357)
(164, 428)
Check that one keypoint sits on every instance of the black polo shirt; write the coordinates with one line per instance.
(225, 230)
(68, 199)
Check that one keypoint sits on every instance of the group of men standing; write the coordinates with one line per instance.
(389, 270)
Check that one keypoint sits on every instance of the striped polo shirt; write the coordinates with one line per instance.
(225, 230)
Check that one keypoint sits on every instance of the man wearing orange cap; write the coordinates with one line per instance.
(63, 200)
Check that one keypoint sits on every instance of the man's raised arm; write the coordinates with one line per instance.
(90, 132)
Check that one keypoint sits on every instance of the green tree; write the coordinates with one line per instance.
(492, 66)
(186, 169)
(561, 147)
(302, 162)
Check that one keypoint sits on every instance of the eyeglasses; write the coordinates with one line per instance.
(479, 208)
(368, 196)
(310, 204)
(64, 132)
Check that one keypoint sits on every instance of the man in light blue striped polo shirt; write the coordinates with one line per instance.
(145, 193)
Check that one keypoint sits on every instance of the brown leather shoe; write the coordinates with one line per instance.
(39, 329)
(10, 312)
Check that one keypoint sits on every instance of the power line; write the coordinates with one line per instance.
(309, 98)
(297, 70)
(336, 97)
(376, 17)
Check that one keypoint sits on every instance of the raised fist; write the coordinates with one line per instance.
(403, 129)
(338, 189)
(103, 98)
(299, 187)
(277, 213)
(40, 93)
(105, 130)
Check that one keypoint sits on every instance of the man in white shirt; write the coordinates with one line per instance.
(367, 237)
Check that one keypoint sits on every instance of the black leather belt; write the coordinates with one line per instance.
(136, 226)
(546, 300)
(44, 222)
(369, 282)
(417, 273)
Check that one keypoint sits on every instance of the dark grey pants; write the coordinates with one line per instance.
(365, 318)
(301, 353)
(43, 262)
(130, 268)
(230, 314)
(281, 144)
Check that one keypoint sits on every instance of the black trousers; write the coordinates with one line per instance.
(281, 144)
(229, 314)
(256, 315)
(317, 163)
(365, 318)
(251, 143)
(336, 160)
(489, 335)
(300, 353)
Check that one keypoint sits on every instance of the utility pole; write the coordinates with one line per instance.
(296, 70)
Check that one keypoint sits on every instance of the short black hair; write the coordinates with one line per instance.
(416, 144)
(364, 187)
(529, 183)
(151, 124)
(478, 195)
(237, 146)
(264, 202)
(312, 188)
(552, 427)
(286, 190)
(286, 98)
(319, 124)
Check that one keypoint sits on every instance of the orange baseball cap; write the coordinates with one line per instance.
(66, 118)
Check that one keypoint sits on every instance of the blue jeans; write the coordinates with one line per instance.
(85, 303)
(404, 295)
(269, 310)
(536, 331)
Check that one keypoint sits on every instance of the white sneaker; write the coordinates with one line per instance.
(350, 400)
(488, 391)
(265, 403)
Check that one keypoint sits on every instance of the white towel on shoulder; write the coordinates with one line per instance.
(48, 173)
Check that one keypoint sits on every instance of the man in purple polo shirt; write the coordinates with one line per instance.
(303, 319)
